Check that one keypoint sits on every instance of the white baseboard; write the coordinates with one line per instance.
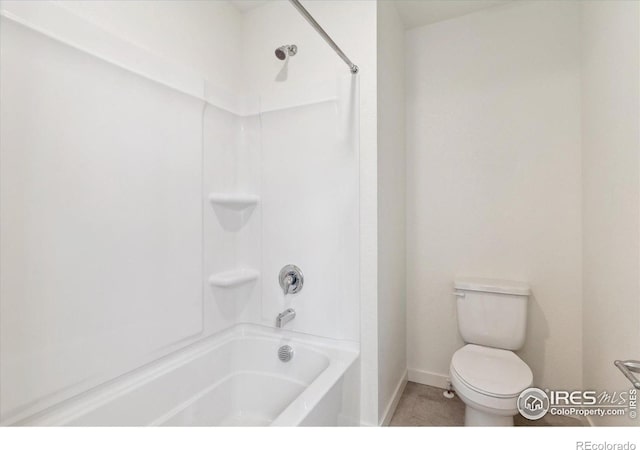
(429, 378)
(395, 399)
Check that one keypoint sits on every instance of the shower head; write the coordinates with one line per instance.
(285, 51)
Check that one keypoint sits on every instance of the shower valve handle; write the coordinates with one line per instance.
(291, 279)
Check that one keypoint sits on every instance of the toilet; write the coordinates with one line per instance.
(486, 373)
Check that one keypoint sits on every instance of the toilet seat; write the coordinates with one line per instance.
(490, 378)
(491, 371)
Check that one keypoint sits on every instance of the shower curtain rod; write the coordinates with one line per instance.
(301, 9)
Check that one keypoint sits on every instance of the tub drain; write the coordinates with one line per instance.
(285, 353)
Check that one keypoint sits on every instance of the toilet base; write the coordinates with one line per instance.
(476, 418)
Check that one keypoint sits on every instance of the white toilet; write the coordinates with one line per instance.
(485, 373)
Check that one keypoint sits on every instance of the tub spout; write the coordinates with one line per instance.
(285, 317)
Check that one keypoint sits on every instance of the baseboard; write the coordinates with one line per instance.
(429, 378)
(395, 399)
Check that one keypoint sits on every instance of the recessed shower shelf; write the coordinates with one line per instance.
(234, 201)
(233, 278)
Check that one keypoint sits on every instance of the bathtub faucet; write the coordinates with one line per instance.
(291, 279)
(286, 283)
(285, 317)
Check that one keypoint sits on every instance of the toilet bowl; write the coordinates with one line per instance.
(489, 381)
(485, 373)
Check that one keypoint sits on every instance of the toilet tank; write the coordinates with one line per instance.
(492, 313)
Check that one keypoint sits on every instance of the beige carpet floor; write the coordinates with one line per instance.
(425, 406)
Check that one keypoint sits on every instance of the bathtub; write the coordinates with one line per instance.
(232, 379)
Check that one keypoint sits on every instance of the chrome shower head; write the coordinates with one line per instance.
(285, 51)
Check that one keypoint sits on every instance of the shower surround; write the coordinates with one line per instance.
(150, 222)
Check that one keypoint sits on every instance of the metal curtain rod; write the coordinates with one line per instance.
(325, 36)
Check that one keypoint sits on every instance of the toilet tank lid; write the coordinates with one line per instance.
(490, 285)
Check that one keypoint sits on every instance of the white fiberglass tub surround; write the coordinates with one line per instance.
(147, 348)
(234, 378)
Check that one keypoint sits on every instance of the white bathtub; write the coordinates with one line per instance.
(234, 378)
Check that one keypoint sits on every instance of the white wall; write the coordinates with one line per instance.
(278, 23)
(309, 168)
(232, 237)
(392, 338)
(106, 215)
(92, 221)
(309, 200)
(493, 179)
(205, 36)
(611, 182)
(235, 54)
(352, 24)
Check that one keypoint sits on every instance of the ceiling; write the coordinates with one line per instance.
(415, 13)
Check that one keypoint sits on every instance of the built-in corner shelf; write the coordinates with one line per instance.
(234, 201)
(233, 278)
